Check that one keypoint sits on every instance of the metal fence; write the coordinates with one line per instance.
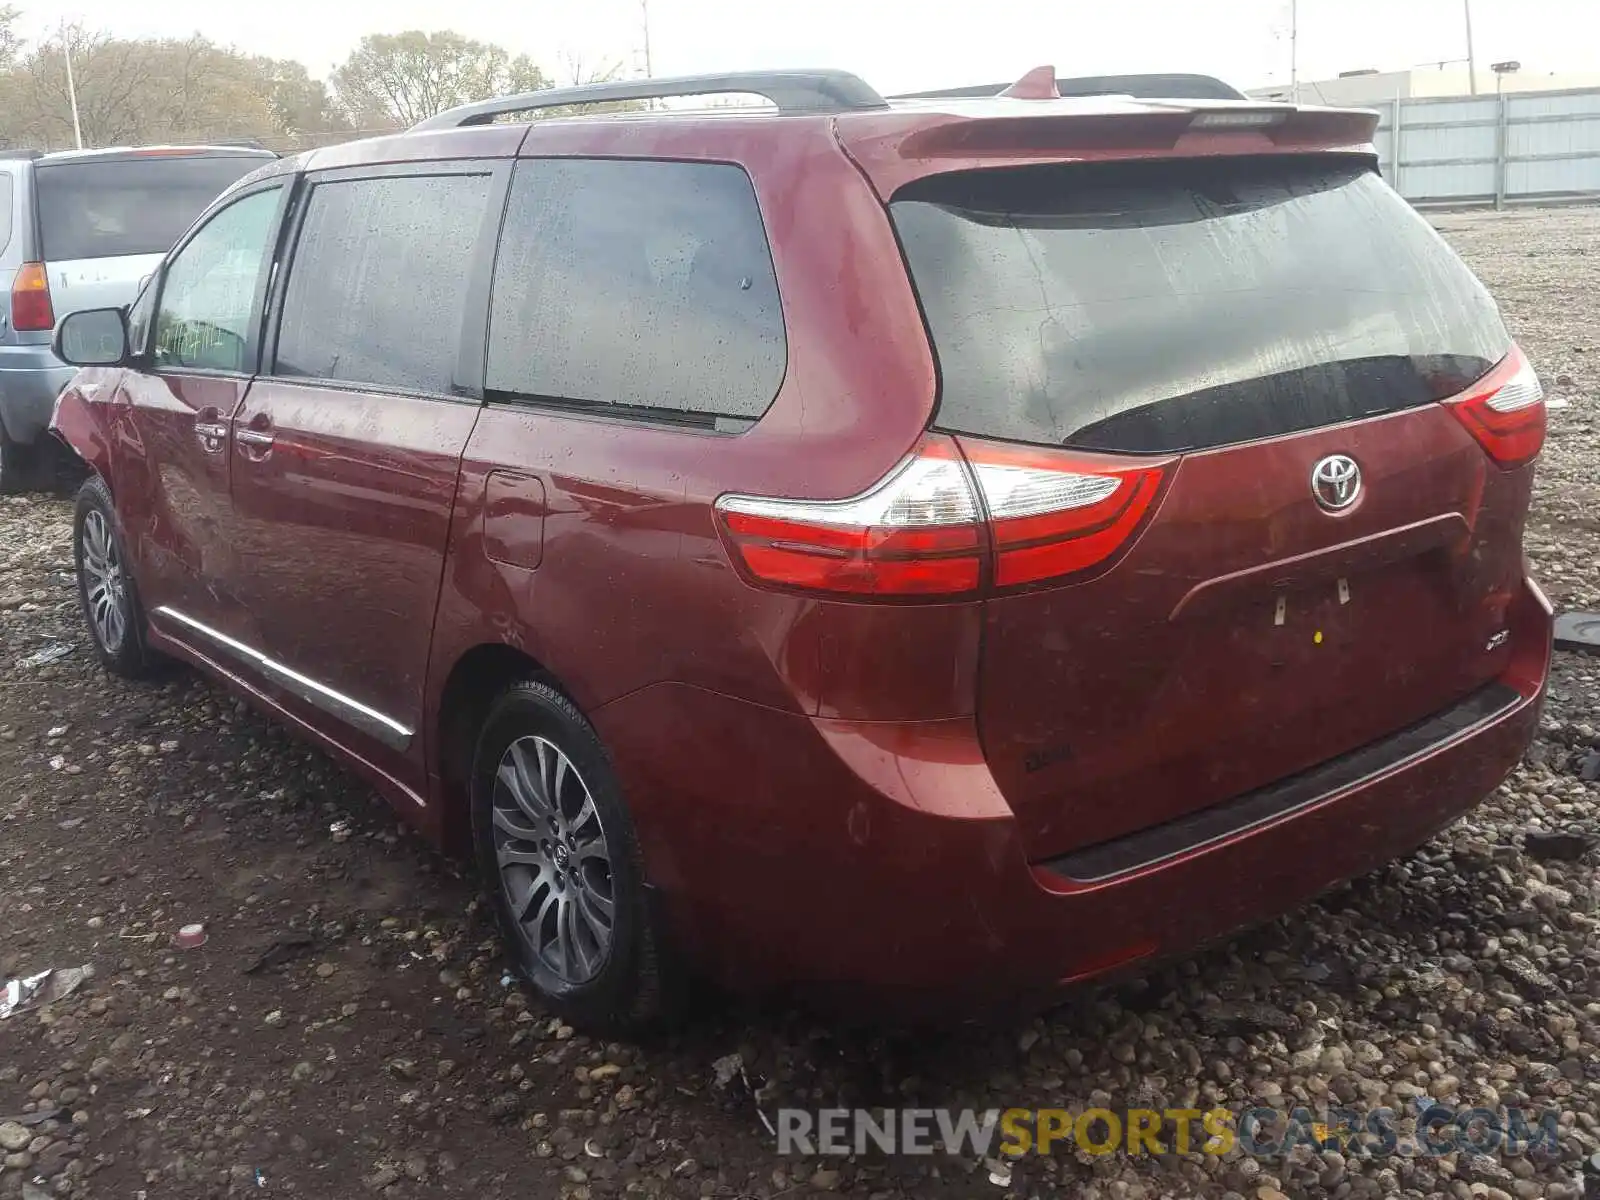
(1519, 148)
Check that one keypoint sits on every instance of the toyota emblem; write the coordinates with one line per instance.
(1336, 482)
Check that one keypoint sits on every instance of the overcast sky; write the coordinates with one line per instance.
(898, 44)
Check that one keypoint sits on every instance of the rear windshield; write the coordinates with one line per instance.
(128, 205)
(1156, 307)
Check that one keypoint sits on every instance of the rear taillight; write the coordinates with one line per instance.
(946, 520)
(1054, 513)
(1505, 411)
(31, 311)
(916, 533)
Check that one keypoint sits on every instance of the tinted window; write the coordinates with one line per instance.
(128, 205)
(1157, 307)
(378, 286)
(640, 285)
(210, 288)
(5, 210)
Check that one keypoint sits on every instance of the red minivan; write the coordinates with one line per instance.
(945, 548)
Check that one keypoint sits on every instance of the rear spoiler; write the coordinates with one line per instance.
(1160, 129)
(1142, 87)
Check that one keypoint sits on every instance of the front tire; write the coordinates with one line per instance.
(560, 863)
(106, 591)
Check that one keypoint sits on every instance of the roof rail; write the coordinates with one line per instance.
(791, 91)
(1145, 87)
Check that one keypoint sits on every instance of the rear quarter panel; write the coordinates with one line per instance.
(632, 586)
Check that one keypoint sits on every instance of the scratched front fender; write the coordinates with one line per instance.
(82, 419)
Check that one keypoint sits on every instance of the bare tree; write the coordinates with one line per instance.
(10, 39)
(140, 91)
(404, 78)
(576, 72)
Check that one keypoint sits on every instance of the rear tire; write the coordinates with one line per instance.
(107, 593)
(561, 866)
(19, 466)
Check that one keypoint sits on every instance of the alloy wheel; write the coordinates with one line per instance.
(104, 586)
(554, 859)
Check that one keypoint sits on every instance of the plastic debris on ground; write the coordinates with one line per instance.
(44, 988)
(45, 655)
(728, 1068)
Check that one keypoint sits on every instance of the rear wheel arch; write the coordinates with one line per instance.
(478, 676)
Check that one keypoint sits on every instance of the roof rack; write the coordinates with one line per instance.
(1144, 87)
(791, 91)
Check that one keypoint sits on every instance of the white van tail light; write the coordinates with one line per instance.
(943, 525)
(1505, 411)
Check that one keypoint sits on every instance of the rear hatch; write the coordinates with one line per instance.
(106, 223)
(1250, 329)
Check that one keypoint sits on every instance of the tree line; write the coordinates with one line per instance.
(134, 91)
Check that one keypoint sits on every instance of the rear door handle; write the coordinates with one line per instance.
(212, 432)
(256, 438)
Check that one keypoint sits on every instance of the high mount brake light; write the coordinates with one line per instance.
(1240, 118)
(1505, 411)
(945, 520)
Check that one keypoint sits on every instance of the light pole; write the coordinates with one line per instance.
(72, 89)
(1472, 61)
(644, 13)
(1502, 135)
(1294, 50)
(1501, 70)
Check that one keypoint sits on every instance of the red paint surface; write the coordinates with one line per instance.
(829, 791)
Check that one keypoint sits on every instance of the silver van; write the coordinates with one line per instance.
(83, 229)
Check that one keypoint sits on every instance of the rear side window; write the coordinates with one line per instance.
(378, 286)
(1156, 307)
(126, 206)
(643, 287)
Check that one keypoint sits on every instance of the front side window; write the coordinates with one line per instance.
(211, 285)
(378, 285)
(643, 287)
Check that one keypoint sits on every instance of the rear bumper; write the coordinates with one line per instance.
(31, 378)
(881, 858)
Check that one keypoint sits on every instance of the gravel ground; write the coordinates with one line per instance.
(377, 1050)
